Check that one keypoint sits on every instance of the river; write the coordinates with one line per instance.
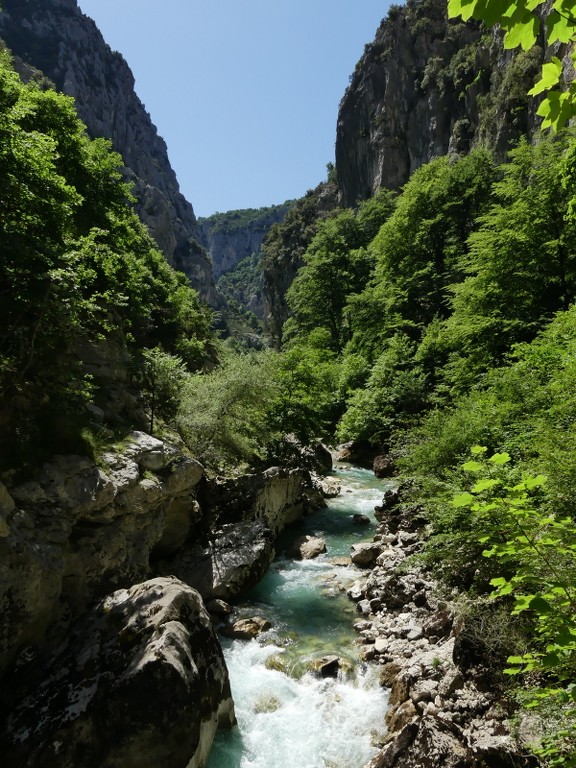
(287, 716)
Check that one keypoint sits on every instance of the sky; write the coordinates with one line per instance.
(244, 92)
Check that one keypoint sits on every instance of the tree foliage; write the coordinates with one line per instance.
(77, 266)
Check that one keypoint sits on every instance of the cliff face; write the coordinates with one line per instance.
(235, 235)
(426, 87)
(55, 37)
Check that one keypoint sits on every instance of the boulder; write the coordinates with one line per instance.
(365, 554)
(327, 666)
(140, 681)
(276, 496)
(246, 629)
(383, 466)
(360, 453)
(307, 548)
(359, 519)
(234, 560)
(330, 487)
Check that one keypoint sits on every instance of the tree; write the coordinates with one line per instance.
(336, 266)
(523, 21)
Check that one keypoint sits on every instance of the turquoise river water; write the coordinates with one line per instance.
(287, 716)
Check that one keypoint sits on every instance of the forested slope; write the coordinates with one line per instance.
(84, 289)
(452, 330)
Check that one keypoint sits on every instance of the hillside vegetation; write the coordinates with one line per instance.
(78, 270)
(448, 325)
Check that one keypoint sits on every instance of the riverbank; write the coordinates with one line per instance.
(446, 709)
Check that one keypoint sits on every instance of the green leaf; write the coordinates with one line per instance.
(472, 466)
(540, 605)
(500, 458)
(522, 30)
(477, 450)
(536, 482)
(550, 77)
(559, 28)
(551, 660)
(484, 485)
(463, 8)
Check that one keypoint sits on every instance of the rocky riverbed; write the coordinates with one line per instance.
(107, 653)
(444, 712)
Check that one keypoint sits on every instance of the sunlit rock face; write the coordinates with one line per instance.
(57, 38)
(426, 87)
(231, 237)
(140, 681)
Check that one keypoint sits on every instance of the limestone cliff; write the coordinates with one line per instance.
(55, 37)
(426, 87)
(232, 236)
(234, 240)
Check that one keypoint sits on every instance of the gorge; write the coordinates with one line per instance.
(162, 438)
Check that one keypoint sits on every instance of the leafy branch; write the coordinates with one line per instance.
(538, 552)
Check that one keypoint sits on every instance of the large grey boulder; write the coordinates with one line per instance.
(307, 548)
(141, 681)
(234, 559)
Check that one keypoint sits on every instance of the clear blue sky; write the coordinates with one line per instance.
(244, 92)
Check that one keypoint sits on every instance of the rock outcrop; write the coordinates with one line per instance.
(54, 36)
(235, 235)
(426, 87)
(80, 530)
(137, 679)
(442, 714)
(140, 680)
(243, 517)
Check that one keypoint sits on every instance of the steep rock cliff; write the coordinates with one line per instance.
(426, 87)
(234, 240)
(55, 37)
(233, 236)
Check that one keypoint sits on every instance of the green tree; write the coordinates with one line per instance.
(222, 415)
(419, 249)
(162, 377)
(336, 265)
(77, 267)
(521, 263)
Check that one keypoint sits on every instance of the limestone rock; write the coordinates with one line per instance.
(330, 486)
(405, 106)
(365, 554)
(383, 466)
(232, 561)
(327, 666)
(360, 453)
(140, 681)
(81, 530)
(246, 629)
(277, 497)
(307, 548)
(232, 237)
